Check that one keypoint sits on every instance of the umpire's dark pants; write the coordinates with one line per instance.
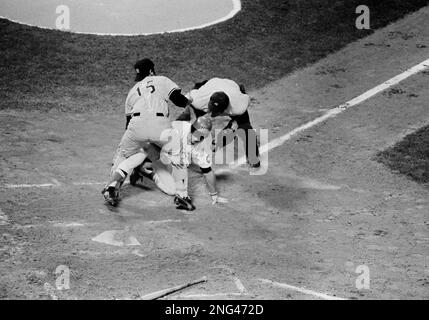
(243, 122)
(251, 143)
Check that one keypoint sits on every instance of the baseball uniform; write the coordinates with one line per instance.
(236, 110)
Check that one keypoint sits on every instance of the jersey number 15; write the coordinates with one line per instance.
(148, 86)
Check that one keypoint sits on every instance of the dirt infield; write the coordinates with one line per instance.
(324, 207)
(410, 156)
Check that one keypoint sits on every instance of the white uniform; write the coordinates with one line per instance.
(238, 101)
(182, 151)
(150, 96)
(199, 153)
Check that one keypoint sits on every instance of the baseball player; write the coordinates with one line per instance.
(195, 146)
(224, 97)
(147, 114)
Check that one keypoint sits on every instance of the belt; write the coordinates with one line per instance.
(158, 114)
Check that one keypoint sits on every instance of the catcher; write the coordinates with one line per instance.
(224, 97)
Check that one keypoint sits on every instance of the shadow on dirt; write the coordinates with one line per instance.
(284, 197)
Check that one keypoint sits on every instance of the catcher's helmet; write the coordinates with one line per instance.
(143, 68)
(203, 124)
(219, 101)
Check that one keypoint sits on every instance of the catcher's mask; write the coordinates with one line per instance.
(143, 68)
(201, 128)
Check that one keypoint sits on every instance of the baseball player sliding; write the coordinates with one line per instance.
(194, 145)
(148, 124)
(224, 97)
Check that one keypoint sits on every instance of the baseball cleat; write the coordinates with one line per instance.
(183, 203)
(111, 195)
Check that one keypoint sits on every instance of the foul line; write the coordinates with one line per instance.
(302, 290)
(56, 184)
(335, 111)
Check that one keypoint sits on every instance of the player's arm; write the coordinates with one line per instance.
(128, 107)
(179, 99)
(185, 115)
(127, 119)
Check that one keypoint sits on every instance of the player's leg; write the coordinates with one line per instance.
(146, 168)
(171, 153)
(127, 158)
(163, 178)
(249, 136)
(181, 198)
(111, 191)
(144, 130)
(201, 155)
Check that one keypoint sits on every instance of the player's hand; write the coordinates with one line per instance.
(234, 125)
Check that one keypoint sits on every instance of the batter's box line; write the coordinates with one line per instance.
(55, 184)
(301, 290)
(242, 292)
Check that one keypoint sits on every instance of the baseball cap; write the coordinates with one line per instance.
(143, 68)
(218, 102)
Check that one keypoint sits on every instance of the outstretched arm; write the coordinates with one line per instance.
(179, 99)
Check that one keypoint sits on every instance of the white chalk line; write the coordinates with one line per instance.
(17, 186)
(211, 295)
(88, 183)
(242, 291)
(240, 286)
(56, 184)
(236, 7)
(337, 110)
(302, 290)
(5, 220)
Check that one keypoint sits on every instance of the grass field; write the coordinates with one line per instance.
(410, 156)
(44, 70)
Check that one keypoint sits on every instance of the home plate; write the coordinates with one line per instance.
(119, 238)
